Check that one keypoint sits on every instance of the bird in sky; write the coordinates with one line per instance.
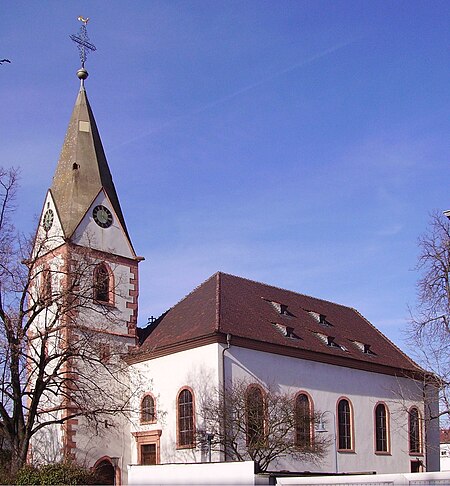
(84, 20)
(5, 60)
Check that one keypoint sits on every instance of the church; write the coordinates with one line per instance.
(372, 400)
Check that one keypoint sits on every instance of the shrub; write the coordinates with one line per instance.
(28, 475)
(63, 473)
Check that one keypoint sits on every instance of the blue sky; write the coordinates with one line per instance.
(298, 143)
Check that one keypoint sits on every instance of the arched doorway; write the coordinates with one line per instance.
(105, 472)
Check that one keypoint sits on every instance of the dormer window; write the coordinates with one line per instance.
(282, 309)
(333, 344)
(320, 318)
(286, 331)
(364, 348)
(330, 341)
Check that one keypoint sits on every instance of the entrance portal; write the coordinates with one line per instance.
(105, 472)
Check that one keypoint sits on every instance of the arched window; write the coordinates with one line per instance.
(381, 428)
(415, 436)
(255, 416)
(148, 413)
(186, 419)
(344, 415)
(303, 421)
(102, 283)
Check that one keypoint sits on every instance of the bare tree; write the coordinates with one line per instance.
(430, 321)
(247, 422)
(57, 361)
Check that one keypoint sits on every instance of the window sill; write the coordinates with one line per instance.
(147, 422)
(346, 451)
(105, 304)
(383, 453)
(188, 446)
(417, 454)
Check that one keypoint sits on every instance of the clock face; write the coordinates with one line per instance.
(102, 216)
(47, 220)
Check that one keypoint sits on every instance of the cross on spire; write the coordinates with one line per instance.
(82, 41)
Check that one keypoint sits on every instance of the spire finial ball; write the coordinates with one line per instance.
(82, 74)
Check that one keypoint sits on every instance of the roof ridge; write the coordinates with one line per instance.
(287, 290)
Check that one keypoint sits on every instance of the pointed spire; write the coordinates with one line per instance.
(82, 170)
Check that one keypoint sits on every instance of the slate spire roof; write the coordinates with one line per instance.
(259, 316)
(82, 169)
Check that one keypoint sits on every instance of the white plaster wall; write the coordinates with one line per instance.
(164, 377)
(445, 457)
(46, 241)
(201, 367)
(112, 239)
(117, 315)
(326, 384)
(423, 479)
(112, 440)
(238, 473)
(109, 436)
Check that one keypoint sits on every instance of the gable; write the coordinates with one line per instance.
(49, 234)
(112, 239)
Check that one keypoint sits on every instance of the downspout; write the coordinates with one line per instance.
(224, 389)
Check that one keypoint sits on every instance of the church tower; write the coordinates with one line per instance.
(87, 263)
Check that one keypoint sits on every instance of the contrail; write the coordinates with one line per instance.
(238, 92)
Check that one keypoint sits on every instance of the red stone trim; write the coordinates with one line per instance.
(69, 429)
(117, 470)
(103, 331)
(192, 444)
(104, 255)
(352, 425)
(133, 305)
(148, 437)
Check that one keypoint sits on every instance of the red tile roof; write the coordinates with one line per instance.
(445, 436)
(225, 304)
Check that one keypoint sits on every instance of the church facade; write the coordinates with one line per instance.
(371, 400)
